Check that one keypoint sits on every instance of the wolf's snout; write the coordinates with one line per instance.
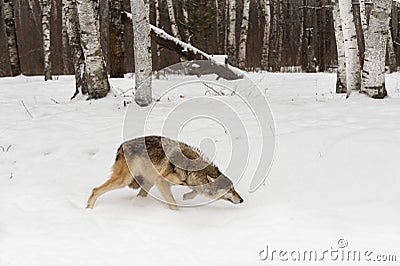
(238, 201)
(235, 198)
(238, 198)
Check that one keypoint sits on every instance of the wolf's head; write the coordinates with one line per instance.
(222, 187)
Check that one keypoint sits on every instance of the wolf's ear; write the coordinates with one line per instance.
(210, 179)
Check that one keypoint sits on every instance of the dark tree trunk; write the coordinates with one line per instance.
(72, 24)
(116, 40)
(9, 19)
(275, 32)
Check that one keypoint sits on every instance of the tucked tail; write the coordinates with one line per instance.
(121, 167)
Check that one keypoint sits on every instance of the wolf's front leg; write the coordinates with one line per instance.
(165, 190)
(115, 182)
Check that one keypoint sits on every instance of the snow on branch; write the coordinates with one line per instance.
(185, 46)
(222, 69)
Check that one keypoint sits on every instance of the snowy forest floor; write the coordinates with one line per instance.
(335, 176)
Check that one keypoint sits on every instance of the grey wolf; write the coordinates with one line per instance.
(144, 162)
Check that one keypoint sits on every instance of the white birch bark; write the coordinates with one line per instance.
(341, 71)
(97, 80)
(158, 64)
(70, 12)
(142, 48)
(231, 42)
(267, 28)
(96, 8)
(9, 19)
(186, 20)
(353, 69)
(46, 14)
(373, 83)
(244, 30)
(157, 10)
(363, 16)
(171, 14)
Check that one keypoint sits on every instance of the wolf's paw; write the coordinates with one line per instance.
(189, 195)
(142, 193)
(173, 207)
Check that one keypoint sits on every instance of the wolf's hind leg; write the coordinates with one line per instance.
(134, 185)
(144, 191)
(165, 190)
(120, 178)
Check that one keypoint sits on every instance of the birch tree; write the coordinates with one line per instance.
(46, 14)
(363, 16)
(341, 72)
(116, 39)
(373, 82)
(172, 19)
(231, 46)
(96, 78)
(353, 70)
(70, 13)
(186, 20)
(244, 30)
(157, 11)
(9, 19)
(96, 8)
(157, 24)
(142, 49)
(267, 27)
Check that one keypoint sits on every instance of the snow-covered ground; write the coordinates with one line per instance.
(335, 176)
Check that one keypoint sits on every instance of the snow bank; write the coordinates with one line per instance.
(335, 176)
